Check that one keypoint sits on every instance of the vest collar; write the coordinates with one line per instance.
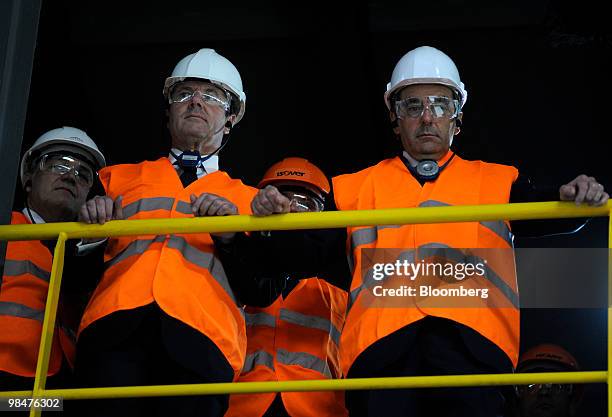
(413, 162)
(32, 216)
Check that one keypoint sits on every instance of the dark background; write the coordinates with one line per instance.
(537, 73)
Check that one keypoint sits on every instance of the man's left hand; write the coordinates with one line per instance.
(584, 189)
(208, 204)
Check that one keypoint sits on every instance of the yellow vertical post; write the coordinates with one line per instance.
(46, 338)
(609, 368)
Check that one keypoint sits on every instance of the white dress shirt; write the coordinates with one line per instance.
(207, 167)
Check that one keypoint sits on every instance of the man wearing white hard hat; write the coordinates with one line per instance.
(57, 174)
(164, 312)
(393, 331)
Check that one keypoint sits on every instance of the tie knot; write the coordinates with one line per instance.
(189, 160)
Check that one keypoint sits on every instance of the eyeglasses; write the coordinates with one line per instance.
(303, 202)
(211, 97)
(552, 388)
(62, 164)
(439, 107)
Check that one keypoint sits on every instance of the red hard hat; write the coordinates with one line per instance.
(549, 353)
(298, 171)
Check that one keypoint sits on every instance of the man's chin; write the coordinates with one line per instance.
(434, 153)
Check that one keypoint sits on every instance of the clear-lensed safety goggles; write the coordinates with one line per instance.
(63, 164)
(211, 97)
(302, 201)
(552, 388)
(439, 107)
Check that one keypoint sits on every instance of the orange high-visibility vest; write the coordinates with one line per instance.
(389, 184)
(295, 338)
(23, 296)
(179, 272)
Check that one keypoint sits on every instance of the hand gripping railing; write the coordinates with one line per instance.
(522, 211)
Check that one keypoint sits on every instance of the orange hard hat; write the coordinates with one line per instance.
(547, 353)
(298, 171)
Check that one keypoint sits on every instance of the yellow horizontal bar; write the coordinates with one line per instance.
(518, 211)
(330, 385)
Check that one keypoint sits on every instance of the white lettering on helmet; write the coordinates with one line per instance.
(290, 173)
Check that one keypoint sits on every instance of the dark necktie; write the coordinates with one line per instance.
(188, 176)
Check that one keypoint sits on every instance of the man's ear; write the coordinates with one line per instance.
(394, 124)
(458, 123)
(27, 183)
(230, 119)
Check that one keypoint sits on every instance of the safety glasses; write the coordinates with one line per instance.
(212, 96)
(552, 388)
(302, 201)
(439, 107)
(63, 164)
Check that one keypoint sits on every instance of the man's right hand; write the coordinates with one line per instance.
(101, 209)
(268, 201)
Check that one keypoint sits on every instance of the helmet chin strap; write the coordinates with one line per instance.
(224, 140)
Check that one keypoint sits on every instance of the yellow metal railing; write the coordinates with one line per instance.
(522, 211)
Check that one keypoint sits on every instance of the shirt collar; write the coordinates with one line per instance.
(413, 162)
(33, 216)
(207, 167)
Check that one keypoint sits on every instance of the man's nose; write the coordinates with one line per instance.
(69, 176)
(545, 389)
(197, 100)
(427, 115)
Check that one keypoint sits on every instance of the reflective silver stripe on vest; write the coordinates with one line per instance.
(313, 322)
(148, 204)
(353, 297)
(204, 260)
(70, 333)
(190, 253)
(21, 311)
(444, 251)
(260, 357)
(368, 280)
(334, 333)
(363, 237)
(498, 227)
(368, 235)
(432, 203)
(260, 319)
(24, 312)
(136, 247)
(303, 359)
(183, 207)
(14, 268)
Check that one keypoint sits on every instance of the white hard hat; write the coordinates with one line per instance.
(425, 65)
(208, 65)
(67, 139)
